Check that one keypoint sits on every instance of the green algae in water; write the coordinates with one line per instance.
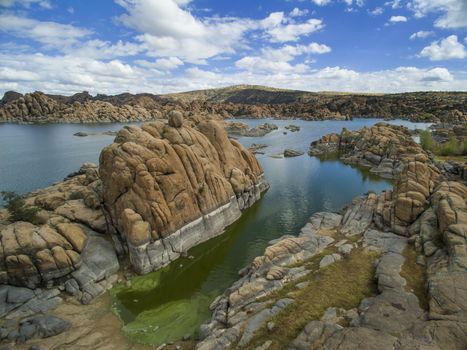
(157, 325)
(173, 302)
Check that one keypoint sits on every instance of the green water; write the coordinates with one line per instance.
(168, 304)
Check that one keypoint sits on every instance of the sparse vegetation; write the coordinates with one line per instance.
(452, 147)
(18, 209)
(415, 276)
(343, 284)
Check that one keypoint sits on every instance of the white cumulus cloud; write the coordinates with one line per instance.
(445, 49)
(397, 19)
(453, 12)
(422, 34)
(48, 33)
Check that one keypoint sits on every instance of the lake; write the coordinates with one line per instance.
(171, 303)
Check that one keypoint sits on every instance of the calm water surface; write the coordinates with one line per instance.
(171, 303)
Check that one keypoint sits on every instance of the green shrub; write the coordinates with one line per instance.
(449, 148)
(427, 141)
(18, 209)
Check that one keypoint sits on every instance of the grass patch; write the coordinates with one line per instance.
(343, 284)
(415, 276)
(459, 159)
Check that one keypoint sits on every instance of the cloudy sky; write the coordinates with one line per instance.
(158, 46)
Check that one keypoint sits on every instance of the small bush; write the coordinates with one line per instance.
(18, 209)
(427, 141)
(449, 148)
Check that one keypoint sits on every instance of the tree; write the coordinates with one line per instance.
(18, 209)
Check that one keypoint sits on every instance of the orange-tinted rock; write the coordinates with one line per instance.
(175, 186)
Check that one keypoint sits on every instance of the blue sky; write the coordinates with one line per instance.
(162, 46)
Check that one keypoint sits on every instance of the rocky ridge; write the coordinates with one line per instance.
(418, 233)
(252, 102)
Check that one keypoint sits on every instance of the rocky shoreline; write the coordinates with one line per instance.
(233, 102)
(102, 224)
(387, 272)
(413, 240)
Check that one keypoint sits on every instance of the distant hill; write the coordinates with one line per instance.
(257, 94)
(240, 101)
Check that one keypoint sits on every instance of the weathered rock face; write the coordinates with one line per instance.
(168, 187)
(38, 107)
(399, 208)
(234, 102)
(383, 148)
(68, 247)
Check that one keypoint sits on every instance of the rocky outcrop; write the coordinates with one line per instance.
(38, 107)
(241, 129)
(383, 148)
(169, 187)
(68, 246)
(399, 208)
(390, 152)
(418, 231)
(237, 102)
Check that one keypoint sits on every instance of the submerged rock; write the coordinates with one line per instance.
(292, 153)
(293, 128)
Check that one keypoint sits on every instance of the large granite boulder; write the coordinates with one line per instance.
(68, 248)
(34, 254)
(168, 187)
(401, 207)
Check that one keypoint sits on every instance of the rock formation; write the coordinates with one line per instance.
(169, 187)
(418, 233)
(383, 148)
(38, 107)
(68, 247)
(237, 102)
(288, 153)
(241, 129)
